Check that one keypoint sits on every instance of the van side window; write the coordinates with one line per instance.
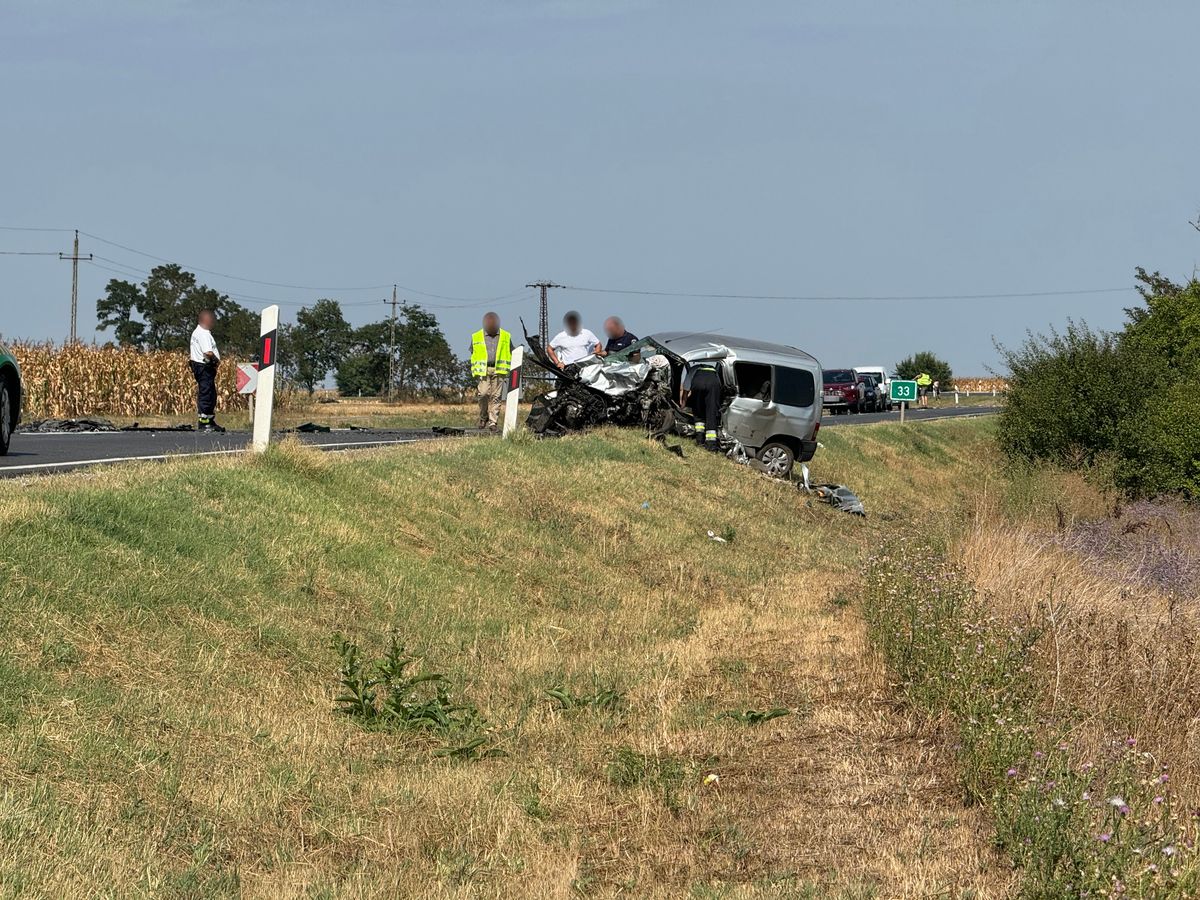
(753, 380)
(794, 387)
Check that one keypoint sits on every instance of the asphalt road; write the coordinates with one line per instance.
(32, 454)
(912, 415)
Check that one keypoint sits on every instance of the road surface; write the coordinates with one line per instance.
(912, 415)
(34, 453)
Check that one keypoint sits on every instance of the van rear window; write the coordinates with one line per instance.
(794, 387)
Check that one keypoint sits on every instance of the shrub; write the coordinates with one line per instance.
(1079, 396)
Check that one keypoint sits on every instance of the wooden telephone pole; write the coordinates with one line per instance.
(75, 258)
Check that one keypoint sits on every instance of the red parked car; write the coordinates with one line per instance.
(842, 390)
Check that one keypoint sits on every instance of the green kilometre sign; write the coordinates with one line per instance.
(903, 391)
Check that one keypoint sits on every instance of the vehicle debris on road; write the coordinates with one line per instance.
(89, 426)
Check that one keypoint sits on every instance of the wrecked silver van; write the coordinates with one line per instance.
(770, 405)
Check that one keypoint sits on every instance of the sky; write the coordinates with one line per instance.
(937, 150)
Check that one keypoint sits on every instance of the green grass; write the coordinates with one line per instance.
(167, 682)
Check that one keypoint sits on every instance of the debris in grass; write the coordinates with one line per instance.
(713, 536)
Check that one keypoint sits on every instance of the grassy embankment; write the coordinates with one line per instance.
(167, 684)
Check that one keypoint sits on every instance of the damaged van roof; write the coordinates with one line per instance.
(683, 342)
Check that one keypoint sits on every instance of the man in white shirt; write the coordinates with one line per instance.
(573, 343)
(205, 357)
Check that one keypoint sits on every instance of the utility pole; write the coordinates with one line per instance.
(392, 347)
(544, 311)
(75, 258)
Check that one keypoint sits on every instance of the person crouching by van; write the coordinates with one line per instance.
(491, 361)
(701, 390)
(205, 358)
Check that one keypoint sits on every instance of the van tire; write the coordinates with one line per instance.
(777, 459)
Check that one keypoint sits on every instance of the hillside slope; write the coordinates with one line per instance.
(167, 687)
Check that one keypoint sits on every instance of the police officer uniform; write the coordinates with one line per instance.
(204, 368)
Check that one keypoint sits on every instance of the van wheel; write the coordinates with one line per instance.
(6, 416)
(777, 459)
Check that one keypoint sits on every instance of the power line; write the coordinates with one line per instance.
(190, 268)
(29, 253)
(30, 228)
(543, 308)
(848, 298)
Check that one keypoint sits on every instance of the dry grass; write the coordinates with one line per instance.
(166, 687)
(1122, 654)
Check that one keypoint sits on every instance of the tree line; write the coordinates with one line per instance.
(160, 313)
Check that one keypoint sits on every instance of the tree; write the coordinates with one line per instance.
(160, 313)
(363, 371)
(925, 361)
(316, 344)
(423, 362)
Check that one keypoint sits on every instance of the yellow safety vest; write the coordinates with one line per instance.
(924, 379)
(479, 354)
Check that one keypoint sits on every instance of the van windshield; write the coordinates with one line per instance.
(838, 376)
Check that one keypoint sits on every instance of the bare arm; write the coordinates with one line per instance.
(553, 356)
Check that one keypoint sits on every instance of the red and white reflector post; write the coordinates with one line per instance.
(265, 393)
(512, 392)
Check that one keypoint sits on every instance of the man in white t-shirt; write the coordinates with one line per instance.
(573, 343)
(205, 357)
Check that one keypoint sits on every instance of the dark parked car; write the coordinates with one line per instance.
(10, 397)
(873, 395)
(842, 390)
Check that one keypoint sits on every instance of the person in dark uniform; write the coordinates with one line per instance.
(205, 357)
(619, 337)
(701, 390)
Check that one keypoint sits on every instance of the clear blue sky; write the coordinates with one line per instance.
(466, 148)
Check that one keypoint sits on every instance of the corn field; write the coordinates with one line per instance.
(980, 385)
(82, 380)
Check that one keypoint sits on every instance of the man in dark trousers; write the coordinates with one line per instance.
(701, 390)
(205, 357)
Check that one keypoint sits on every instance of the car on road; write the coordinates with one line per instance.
(10, 397)
(841, 390)
(872, 394)
(883, 377)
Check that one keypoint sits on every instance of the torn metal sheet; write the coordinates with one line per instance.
(836, 495)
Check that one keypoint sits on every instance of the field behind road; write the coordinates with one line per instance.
(168, 681)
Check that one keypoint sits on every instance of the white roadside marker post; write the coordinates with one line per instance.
(269, 330)
(512, 392)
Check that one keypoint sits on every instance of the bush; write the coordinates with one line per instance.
(1067, 396)
(1131, 397)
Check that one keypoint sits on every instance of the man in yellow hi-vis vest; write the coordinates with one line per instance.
(491, 360)
(924, 381)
